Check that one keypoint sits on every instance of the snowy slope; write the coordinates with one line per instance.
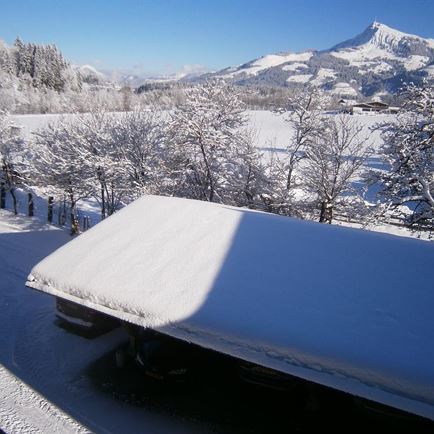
(269, 61)
(342, 307)
(22, 408)
(380, 36)
(380, 43)
(380, 57)
(89, 70)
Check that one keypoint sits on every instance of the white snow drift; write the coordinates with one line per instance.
(342, 307)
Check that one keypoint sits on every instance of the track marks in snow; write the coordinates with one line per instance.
(24, 410)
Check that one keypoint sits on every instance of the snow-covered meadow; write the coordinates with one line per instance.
(271, 136)
(272, 130)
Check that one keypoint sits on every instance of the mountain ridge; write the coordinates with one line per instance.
(377, 60)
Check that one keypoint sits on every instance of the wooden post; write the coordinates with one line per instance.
(102, 202)
(30, 207)
(75, 221)
(2, 195)
(62, 212)
(50, 209)
(75, 225)
(86, 223)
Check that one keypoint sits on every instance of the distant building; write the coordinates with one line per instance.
(372, 106)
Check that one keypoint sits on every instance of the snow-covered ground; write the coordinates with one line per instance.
(271, 128)
(43, 388)
(271, 60)
(31, 123)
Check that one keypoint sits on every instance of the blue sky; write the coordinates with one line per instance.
(162, 36)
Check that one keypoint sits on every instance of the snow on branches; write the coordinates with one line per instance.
(212, 155)
(110, 157)
(204, 149)
(332, 162)
(407, 186)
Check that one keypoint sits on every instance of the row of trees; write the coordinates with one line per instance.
(37, 78)
(205, 150)
(41, 65)
(44, 64)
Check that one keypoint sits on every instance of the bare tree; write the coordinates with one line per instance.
(58, 162)
(205, 135)
(247, 178)
(113, 158)
(101, 167)
(332, 163)
(304, 112)
(139, 145)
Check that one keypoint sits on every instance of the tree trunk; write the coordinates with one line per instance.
(208, 174)
(326, 214)
(322, 215)
(103, 211)
(112, 200)
(30, 205)
(14, 200)
(330, 214)
(50, 209)
(2, 195)
(290, 173)
(63, 219)
(75, 224)
(247, 192)
(289, 179)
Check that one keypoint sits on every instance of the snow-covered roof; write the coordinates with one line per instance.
(343, 307)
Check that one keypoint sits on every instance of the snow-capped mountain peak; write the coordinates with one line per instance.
(380, 36)
(379, 59)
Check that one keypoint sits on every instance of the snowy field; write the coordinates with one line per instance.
(272, 130)
(43, 388)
